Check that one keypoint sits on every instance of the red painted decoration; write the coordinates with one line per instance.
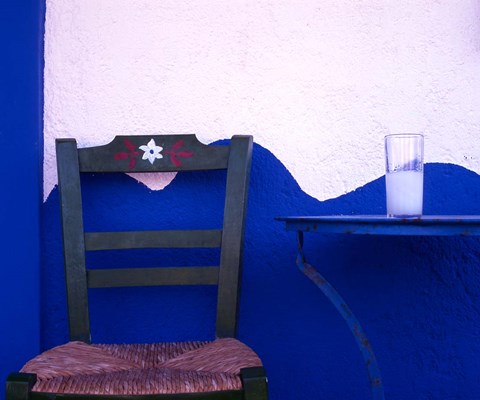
(132, 154)
(174, 154)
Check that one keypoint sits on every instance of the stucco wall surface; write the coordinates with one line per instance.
(317, 83)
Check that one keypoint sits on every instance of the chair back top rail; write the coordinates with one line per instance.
(153, 153)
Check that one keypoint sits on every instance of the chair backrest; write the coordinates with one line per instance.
(155, 153)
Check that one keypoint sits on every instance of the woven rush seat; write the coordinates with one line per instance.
(159, 368)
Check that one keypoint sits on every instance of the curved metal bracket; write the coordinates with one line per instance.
(347, 314)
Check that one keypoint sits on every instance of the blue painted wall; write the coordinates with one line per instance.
(21, 70)
(417, 298)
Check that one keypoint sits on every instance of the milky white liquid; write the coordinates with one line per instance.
(404, 193)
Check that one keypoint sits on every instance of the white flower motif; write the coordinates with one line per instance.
(151, 151)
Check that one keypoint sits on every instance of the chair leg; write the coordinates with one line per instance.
(254, 383)
(19, 386)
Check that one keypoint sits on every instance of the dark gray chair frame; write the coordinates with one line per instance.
(182, 153)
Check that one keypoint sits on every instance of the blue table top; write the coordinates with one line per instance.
(427, 225)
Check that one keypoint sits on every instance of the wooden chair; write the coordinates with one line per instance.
(223, 368)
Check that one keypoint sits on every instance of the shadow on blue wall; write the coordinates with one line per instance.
(418, 299)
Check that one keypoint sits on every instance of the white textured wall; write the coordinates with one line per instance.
(318, 83)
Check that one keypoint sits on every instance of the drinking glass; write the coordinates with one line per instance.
(404, 174)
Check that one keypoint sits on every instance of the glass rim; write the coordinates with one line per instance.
(405, 135)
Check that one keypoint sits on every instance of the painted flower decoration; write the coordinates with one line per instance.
(151, 151)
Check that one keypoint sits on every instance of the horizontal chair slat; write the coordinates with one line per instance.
(103, 278)
(153, 239)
